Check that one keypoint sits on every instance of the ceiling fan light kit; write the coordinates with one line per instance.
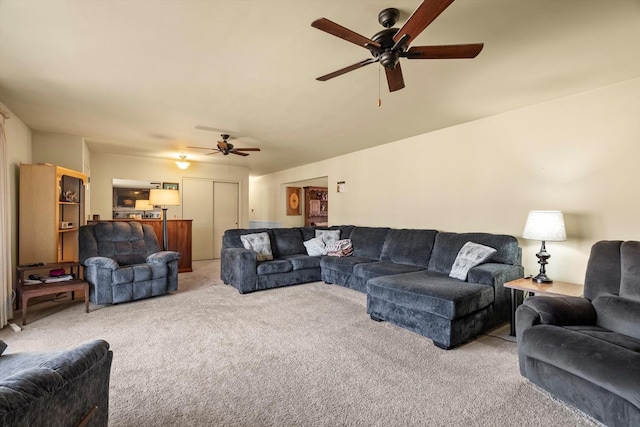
(389, 45)
(182, 163)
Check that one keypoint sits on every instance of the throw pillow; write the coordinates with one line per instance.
(470, 255)
(340, 248)
(328, 236)
(260, 244)
(315, 247)
(3, 347)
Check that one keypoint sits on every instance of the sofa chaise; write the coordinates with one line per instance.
(404, 272)
(586, 351)
(57, 388)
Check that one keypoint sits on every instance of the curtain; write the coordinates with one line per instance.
(6, 284)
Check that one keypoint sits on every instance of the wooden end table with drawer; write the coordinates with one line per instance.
(27, 291)
(555, 288)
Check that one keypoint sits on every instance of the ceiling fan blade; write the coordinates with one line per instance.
(394, 78)
(420, 18)
(338, 30)
(452, 51)
(246, 149)
(347, 69)
(200, 127)
(202, 148)
(238, 152)
(213, 152)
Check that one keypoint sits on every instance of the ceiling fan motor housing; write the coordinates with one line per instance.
(388, 56)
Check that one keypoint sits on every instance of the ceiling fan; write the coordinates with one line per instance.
(389, 45)
(226, 147)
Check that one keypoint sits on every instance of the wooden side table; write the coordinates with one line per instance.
(26, 292)
(556, 288)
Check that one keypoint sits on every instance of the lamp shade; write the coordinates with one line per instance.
(143, 205)
(546, 226)
(163, 197)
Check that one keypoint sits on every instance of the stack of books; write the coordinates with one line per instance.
(37, 280)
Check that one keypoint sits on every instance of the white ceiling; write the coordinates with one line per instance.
(135, 77)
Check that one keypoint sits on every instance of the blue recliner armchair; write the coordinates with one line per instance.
(123, 262)
(56, 388)
(586, 351)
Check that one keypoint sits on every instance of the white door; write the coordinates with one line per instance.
(225, 211)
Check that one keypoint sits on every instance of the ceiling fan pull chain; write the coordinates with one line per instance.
(379, 96)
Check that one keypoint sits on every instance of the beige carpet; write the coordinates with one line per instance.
(304, 355)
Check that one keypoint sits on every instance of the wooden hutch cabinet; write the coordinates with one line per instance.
(51, 211)
(316, 206)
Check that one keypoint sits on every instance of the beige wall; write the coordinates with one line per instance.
(19, 151)
(578, 154)
(106, 167)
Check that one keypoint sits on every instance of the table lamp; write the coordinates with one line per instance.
(164, 198)
(547, 226)
(144, 206)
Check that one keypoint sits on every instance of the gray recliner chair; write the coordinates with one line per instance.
(123, 262)
(56, 388)
(586, 351)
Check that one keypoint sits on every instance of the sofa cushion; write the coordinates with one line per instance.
(300, 262)
(288, 241)
(376, 269)
(232, 238)
(431, 292)
(407, 246)
(343, 264)
(470, 255)
(630, 266)
(3, 347)
(368, 241)
(447, 245)
(260, 243)
(603, 269)
(315, 247)
(618, 314)
(275, 266)
(328, 236)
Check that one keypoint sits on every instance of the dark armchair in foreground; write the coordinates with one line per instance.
(58, 388)
(122, 262)
(586, 351)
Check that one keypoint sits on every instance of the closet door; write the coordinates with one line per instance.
(197, 204)
(225, 211)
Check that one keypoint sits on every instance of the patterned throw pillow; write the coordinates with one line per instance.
(315, 247)
(328, 236)
(260, 244)
(470, 255)
(340, 248)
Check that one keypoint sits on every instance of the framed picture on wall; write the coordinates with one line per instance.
(293, 200)
(169, 185)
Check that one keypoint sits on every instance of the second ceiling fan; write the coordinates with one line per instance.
(225, 147)
(389, 45)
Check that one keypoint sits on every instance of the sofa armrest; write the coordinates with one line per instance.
(496, 275)
(61, 391)
(240, 268)
(559, 311)
(163, 257)
(101, 262)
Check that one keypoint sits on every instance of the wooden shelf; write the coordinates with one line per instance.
(42, 207)
(316, 206)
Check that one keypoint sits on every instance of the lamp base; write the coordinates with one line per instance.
(541, 278)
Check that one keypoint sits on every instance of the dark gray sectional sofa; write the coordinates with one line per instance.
(404, 272)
